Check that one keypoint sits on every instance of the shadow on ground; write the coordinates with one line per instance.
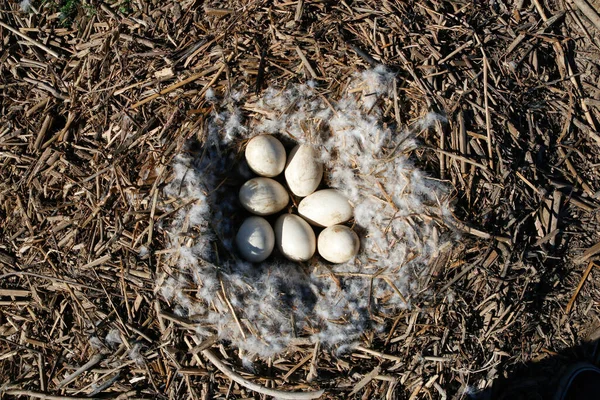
(538, 380)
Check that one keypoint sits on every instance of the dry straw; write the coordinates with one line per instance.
(262, 308)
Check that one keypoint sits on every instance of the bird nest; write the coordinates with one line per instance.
(265, 308)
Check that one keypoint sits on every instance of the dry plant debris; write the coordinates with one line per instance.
(96, 100)
(400, 213)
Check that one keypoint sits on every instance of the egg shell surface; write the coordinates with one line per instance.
(338, 244)
(263, 196)
(255, 239)
(295, 238)
(303, 172)
(265, 155)
(326, 208)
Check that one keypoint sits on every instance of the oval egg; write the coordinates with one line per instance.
(303, 172)
(338, 244)
(255, 239)
(265, 155)
(295, 238)
(263, 196)
(326, 208)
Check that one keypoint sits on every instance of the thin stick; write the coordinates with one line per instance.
(92, 362)
(295, 368)
(30, 40)
(573, 171)
(180, 84)
(442, 151)
(237, 321)
(581, 282)
(461, 226)
(589, 12)
(306, 63)
(396, 104)
(44, 396)
(458, 277)
(488, 124)
(528, 183)
(462, 141)
(592, 251)
(255, 387)
(379, 354)
(365, 380)
(68, 282)
(461, 158)
(391, 283)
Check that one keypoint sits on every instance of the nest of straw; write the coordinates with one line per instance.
(265, 308)
(98, 98)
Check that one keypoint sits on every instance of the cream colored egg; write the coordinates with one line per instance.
(255, 239)
(326, 208)
(263, 196)
(265, 155)
(295, 238)
(338, 244)
(303, 172)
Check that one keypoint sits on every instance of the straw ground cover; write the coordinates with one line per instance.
(94, 110)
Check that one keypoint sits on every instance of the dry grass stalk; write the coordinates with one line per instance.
(586, 273)
(87, 118)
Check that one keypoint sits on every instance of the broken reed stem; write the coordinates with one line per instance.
(235, 317)
(312, 72)
(183, 83)
(295, 368)
(461, 226)
(488, 124)
(592, 251)
(461, 158)
(579, 286)
(393, 286)
(65, 281)
(93, 361)
(573, 171)
(280, 394)
(379, 354)
(30, 40)
(442, 152)
(44, 396)
(589, 12)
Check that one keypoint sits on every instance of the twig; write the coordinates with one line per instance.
(72, 283)
(379, 354)
(180, 84)
(44, 396)
(579, 286)
(462, 140)
(589, 12)
(93, 361)
(461, 158)
(458, 277)
(286, 377)
(393, 286)
(573, 171)
(280, 394)
(592, 251)
(30, 40)
(365, 380)
(178, 320)
(461, 226)
(47, 88)
(237, 321)
(488, 125)
(306, 63)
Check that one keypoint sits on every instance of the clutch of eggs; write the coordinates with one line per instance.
(293, 234)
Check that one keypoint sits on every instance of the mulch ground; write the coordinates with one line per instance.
(95, 97)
